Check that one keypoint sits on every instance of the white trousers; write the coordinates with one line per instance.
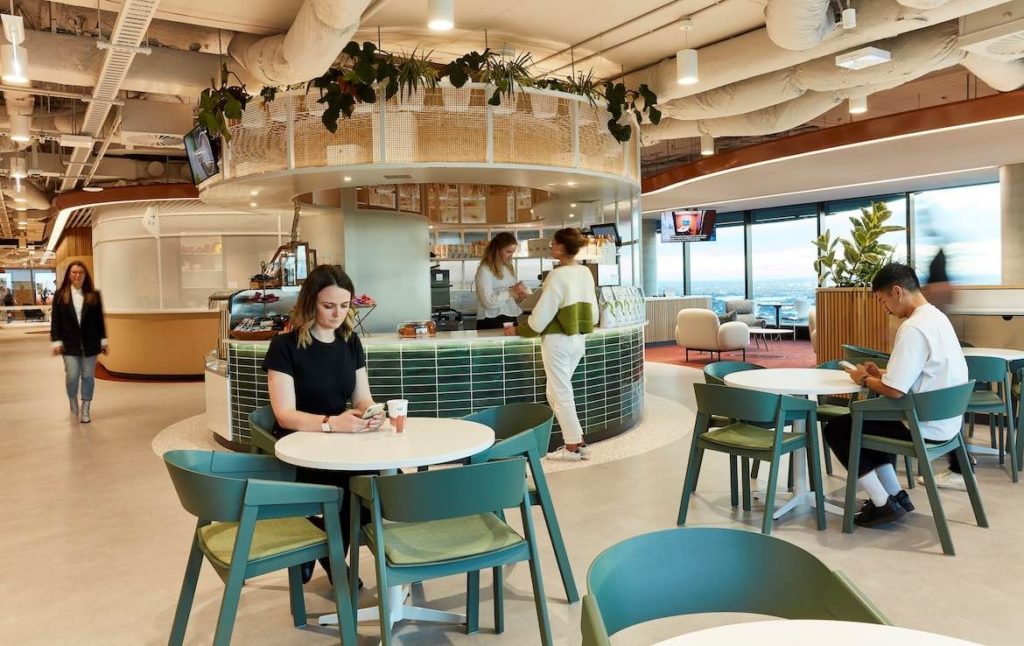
(561, 355)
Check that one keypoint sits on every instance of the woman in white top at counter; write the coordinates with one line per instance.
(498, 293)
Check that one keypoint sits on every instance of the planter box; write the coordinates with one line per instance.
(851, 315)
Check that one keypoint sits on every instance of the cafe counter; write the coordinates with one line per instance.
(455, 373)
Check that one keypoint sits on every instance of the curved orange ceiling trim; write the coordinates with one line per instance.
(144, 193)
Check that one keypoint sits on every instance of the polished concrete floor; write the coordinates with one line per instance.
(94, 540)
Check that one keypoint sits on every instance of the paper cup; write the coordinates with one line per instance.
(398, 410)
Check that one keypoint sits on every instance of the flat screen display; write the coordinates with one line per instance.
(688, 226)
(202, 154)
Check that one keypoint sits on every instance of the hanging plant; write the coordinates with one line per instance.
(506, 76)
(414, 72)
(468, 67)
(631, 104)
(218, 104)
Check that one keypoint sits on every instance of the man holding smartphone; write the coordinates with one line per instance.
(926, 356)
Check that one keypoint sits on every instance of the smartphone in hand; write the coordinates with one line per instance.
(847, 366)
(373, 410)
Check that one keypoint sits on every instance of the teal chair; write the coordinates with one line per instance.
(748, 439)
(261, 430)
(250, 504)
(860, 354)
(996, 403)
(914, 408)
(1017, 372)
(688, 571)
(525, 430)
(439, 523)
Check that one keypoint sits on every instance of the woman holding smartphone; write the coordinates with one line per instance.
(498, 293)
(316, 374)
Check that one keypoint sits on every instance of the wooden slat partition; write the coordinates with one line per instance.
(662, 312)
(851, 315)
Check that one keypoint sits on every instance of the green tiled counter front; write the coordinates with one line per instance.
(455, 374)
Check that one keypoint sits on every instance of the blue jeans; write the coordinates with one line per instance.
(80, 369)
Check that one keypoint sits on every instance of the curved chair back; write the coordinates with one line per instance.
(834, 364)
(737, 403)
(451, 493)
(714, 373)
(261, 429)
(944, 403)
(857, 352)
(697, 328)
(510, 420)
(211, 484)
(987, 369)
(699, 570)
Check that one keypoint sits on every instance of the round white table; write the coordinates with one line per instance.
(805, 632)
(999, 353)
(799, 382)
(426, 441)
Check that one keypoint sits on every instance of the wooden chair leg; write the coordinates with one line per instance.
(188, 593)
(936, 504)
(298, 603)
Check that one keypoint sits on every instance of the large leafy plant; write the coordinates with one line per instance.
(853, 263)
(631, 104)
(217, 104)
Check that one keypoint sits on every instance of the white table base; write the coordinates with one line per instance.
(802, 495)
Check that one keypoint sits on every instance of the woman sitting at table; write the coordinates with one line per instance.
(314, 371)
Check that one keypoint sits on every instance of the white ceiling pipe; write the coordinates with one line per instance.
(754, 54)
(1004, 76)
(798, 24)
(34, 198)
(736, 98)
(321, 29)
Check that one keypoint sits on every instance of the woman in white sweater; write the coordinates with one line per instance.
(565, 312)
(497, 291)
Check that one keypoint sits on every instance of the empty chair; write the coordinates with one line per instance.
(699, 329)
(250, 505)
(261, 430)
(690, 571)
(914, 408)
(997, 404)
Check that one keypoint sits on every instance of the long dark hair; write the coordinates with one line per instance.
(64, 293)
(492, 255)
(304, 315)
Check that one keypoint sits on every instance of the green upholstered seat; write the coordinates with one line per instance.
(748, 436)
(444, 540)
(986, 398)
(831, 411)
(270, 538)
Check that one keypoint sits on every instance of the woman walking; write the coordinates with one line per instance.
(565, 312)
(78, 332)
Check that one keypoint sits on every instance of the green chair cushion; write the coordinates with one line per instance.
(271, 537)
(444, 540)
(984, 398)
(747, 436)
(831, 411)
(718, 421)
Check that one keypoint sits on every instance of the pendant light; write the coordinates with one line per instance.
(707, 145)
(686, 59)
(20, 127)
(14, 57)
(858, 104)
(440, 15)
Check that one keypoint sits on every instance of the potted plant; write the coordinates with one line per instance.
(415, 75)
(219, 104)
(505, 76)
(847, 312)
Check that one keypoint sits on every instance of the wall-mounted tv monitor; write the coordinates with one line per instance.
(609, 229)
(688, 226)
(202, 154)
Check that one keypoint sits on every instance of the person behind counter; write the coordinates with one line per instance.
(79, 333)
(498, 293)
(314, 371)
(564, 313)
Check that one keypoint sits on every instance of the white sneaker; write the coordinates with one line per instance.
(74, 408)
(584, 450)
(947, 480)
(565, 455)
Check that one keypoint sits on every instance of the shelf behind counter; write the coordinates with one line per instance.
(455, 373)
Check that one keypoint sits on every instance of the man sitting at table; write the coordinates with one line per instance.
(926, 356)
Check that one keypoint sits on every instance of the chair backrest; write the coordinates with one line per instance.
(512, 419)
(700, 570)
(987, 369)
(261, 429)
(942, 404)
(450, 493)
(802, 308)
(737, 403)
(834, 364)
(211, 484)
(858, 353)
(714, 373)
(697, 328)
(740, 306)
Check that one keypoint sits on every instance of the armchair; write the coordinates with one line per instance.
(699, 329)
(745, 312)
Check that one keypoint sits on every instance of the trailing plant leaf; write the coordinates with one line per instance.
(217, 104)
(268, 93)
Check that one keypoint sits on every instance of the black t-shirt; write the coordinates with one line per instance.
(324, 373)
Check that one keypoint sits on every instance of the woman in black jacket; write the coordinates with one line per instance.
(77, 332)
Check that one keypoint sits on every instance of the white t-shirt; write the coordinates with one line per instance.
(927, 356)
(492, 296)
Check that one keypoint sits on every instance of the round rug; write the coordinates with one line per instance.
(664, 421)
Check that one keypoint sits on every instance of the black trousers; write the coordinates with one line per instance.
(495, 323)
(837, 437)
(337, 479)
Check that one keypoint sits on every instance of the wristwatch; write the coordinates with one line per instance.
(325, 425)
(864, 381)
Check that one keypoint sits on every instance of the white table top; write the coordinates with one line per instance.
(794, 381)
(782, 632)
(426, 441)
(1000, 353)
(769, 330)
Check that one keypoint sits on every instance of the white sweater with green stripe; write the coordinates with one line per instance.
(567, 304)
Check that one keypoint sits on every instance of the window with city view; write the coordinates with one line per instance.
(782, 259)
(670, 267)
(717, 268)
(965, 223)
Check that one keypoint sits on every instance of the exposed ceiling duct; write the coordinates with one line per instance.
(320, 31)
(923, 4)
(1004, 76)
(798, 24)
(755, 54)
(33, 198)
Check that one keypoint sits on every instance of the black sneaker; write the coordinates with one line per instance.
(871, 515)
(903, 498)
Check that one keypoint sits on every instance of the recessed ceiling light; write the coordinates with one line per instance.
(858, 59)
(253, 193)
(572, 206)
(572, 215)
(92, 189)
(253, 204)
(347, 178)
(570, 183)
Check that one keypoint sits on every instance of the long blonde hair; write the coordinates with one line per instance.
(303, 316)
(492, 255)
